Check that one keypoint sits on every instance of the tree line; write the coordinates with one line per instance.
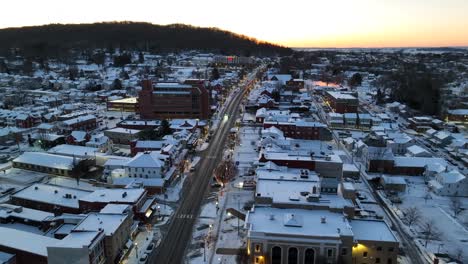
(57, 40)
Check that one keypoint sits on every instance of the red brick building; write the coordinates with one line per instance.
(301, 129)
(342, 102)
(174, 100)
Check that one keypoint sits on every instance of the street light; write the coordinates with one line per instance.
(136, 248)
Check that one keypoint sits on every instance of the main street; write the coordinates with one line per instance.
(179, 232)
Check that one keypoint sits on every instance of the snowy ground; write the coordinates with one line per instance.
(454, 231)
(245, 153)
(173, 192)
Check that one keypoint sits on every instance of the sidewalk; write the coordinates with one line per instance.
(142, 240)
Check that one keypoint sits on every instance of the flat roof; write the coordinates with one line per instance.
(114, 195)
(129, 100)
(26, 241)
(110, 223)
(340, 95)
(372, 230)
(7, 210)
(47, 160)
(52, 194)
(123, 130)
(276, 221)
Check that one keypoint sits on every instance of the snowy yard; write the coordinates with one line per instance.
(453, 230)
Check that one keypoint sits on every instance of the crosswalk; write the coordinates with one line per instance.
(185, 216)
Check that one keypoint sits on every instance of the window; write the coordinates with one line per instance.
(276, 255)
(257, 260)
(329, 252)
(257, 248)
(377, 260)
(391, 249)
(389, 261)
(292, 255)
(364, 254)
(309, 256)
(344, 251)
(379, 248)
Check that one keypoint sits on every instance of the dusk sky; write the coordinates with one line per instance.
(294, 23)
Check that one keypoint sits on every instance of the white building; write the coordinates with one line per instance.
(450, 183)
(145, 165)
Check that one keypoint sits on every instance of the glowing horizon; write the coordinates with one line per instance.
(295, 23)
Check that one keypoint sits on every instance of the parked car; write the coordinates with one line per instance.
(149, 248)
(143, 259)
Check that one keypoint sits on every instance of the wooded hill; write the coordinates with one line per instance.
(55, 39)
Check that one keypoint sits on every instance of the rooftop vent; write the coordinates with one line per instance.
(124, 194)
(272, 217)
(323, 219)
(36, 188)
(56, 191)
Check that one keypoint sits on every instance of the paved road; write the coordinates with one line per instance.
(179, 232)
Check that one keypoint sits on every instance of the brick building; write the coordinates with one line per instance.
(174, 100)
(301, 129)
(342, 102)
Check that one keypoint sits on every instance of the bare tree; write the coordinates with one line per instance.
(225, 171)
(429, 231)
(456, 206)
(412, 215)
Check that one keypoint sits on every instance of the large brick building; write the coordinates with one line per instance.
(174, 100)
(342, 102)
(301, 129)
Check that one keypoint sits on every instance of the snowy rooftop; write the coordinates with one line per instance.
(115, 209)
(71, 150)
(339, 95)
(114, 195)
(7, 210)
(146, 160)
(372, 230)
(47, 160)
(96, 221)
(418, 161)
(286, 191)
(123, 130)
(13, 238)
(79, 119)
(297, 222)
(52, 195)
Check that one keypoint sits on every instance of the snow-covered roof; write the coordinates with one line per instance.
(372, 230)
(150, 144)
(146, 160)
(416, 150)
(52, 194)
(275, 222)
(107, 222)
(453, 176)
(418, 161)
(47, 160)
(114, 195)
(71, 150)
(79, 119)
(123, 130)
(7, 210)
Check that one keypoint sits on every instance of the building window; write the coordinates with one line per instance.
(309, 256)
(257, 248)
(389, 261)
(379, 248)
(364, 254)
(257, 260)
(391, 249)
(377, 260)
(344, 251)
(276, 255)
(292, 255)
(329, 253)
